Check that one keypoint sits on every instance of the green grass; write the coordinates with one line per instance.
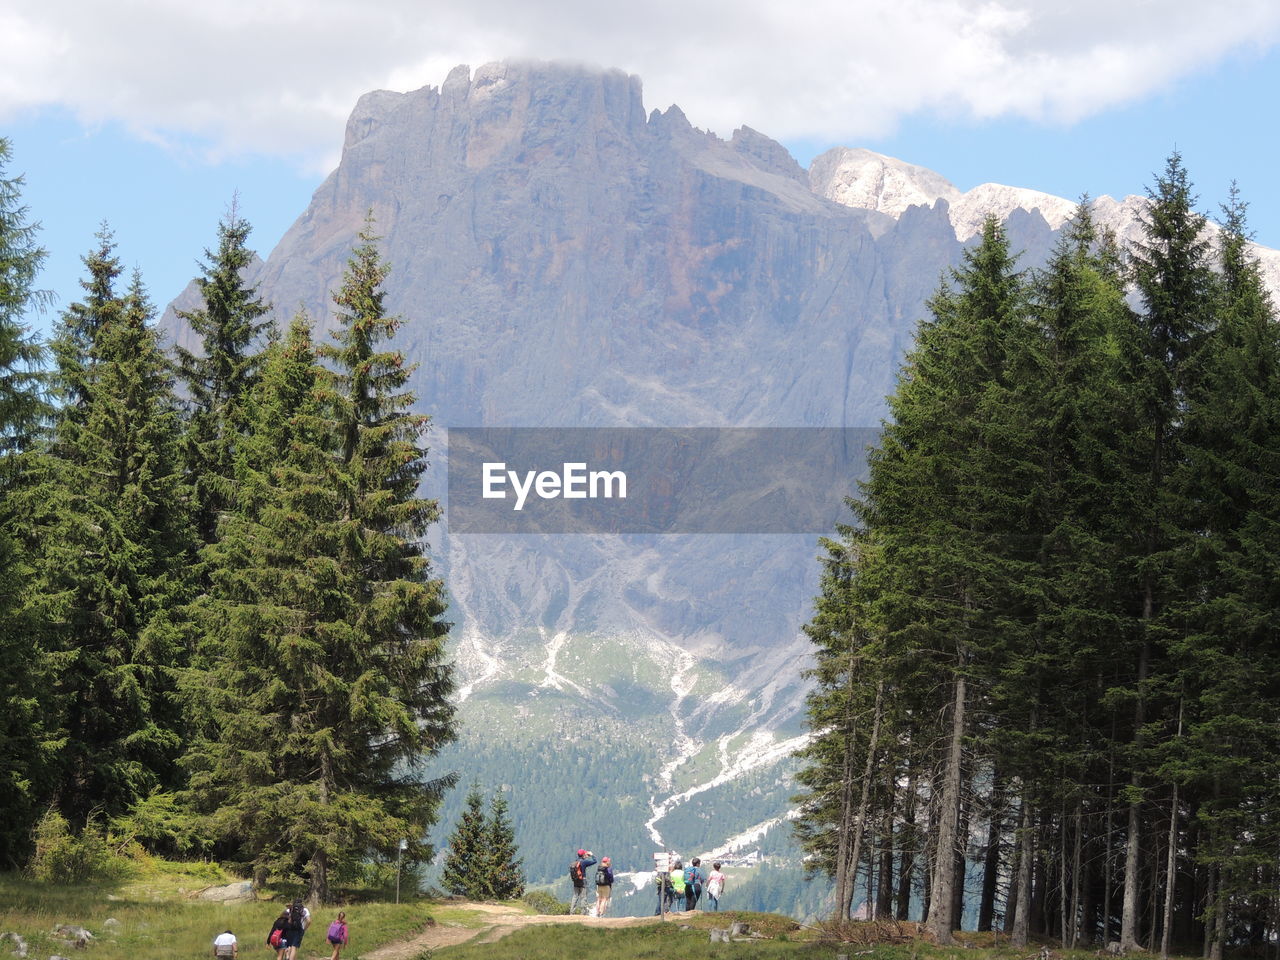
(159, 922)
(656, 940)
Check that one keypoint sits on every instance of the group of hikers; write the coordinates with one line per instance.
(679, 889)
(286, 935)
(682, 888)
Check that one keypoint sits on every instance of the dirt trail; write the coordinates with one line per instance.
(503, 919)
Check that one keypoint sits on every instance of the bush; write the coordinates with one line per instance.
(544, 902)
(63, 857)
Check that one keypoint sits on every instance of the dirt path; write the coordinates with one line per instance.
(498, 922)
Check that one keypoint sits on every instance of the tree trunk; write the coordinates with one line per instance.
(1077, 866)
(906, 850)
(884, 884)
(318, 891)
(856, 855)
(1219, 919)
(1129, 911)
(846, 826)
(941, 913)
(1022, 906)
(1170, 871)
(991, 859)
(957, 892)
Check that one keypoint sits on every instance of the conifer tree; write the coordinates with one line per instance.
(502, 875)
(218, 376)
(106, 516)
(25, 739)
(1171, 271)
(328, 686)
(22, 408)
(466, 862)
(1228, 589)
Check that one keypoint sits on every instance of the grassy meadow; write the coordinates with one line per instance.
(158, 918)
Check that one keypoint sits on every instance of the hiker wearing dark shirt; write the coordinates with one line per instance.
(693, 883)
(578, 876)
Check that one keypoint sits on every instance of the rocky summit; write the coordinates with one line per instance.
(562, 257)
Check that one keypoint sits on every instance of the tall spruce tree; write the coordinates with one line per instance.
(25, 739)
(500, 856)
(1228, 589)
(391, 646)
(1171, 270)
(328, 685)
(106, 517)
(228, 323)
(466, 861)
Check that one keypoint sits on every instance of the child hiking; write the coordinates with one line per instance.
(337, 935)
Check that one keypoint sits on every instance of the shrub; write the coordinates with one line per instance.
(62, 856)
(544, 902)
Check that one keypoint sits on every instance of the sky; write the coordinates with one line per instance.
(152, 114)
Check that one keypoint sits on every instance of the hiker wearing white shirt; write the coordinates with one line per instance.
(225, 946)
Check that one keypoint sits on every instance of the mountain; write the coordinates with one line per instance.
(561, 257)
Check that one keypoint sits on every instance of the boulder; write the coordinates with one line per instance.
(230, 893)
(19, 944)
(73, 936)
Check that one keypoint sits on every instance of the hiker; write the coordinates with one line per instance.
(677, 886)
(604, 887)
(295, 926)
(715, 885)
(664, 891)
(225, 946)
(578, 875)
(275, 939)
(338, 935)
(692, 884)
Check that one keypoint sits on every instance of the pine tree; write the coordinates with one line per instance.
(1228, 589)
(466, 862)
(105, 512)
(218, 376)
(502, 875)
(22, 408)
(328, 686)
(394, 636)
(1171, 271)
(25, 738)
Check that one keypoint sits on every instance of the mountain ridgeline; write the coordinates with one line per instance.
(560, 257)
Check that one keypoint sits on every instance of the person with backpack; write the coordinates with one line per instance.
(295, 926)
(275, 939)
(715, 885)
(604, 886)
(338, 935)
(677, 887)
(578, 877)
(692, 884)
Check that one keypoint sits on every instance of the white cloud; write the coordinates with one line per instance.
(280, 76)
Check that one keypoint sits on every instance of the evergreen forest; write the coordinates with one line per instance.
(222, 636)
(1046, 639)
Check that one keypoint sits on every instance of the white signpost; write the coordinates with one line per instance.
(662, 861)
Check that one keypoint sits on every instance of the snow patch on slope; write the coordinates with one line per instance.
(871, 181)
